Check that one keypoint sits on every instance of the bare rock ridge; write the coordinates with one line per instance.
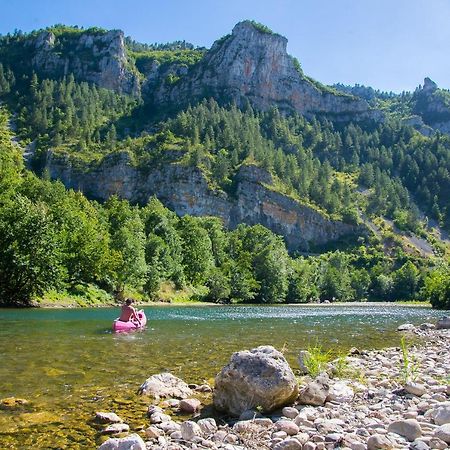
(99, 58)
(185, 190)
(252, 64)
(431, 108)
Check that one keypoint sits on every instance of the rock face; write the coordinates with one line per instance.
(252, 64)
(96, 57)
(257, 378)
(185, 190)
(432, 106)
(165, 385)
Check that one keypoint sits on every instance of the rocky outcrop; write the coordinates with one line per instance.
(185, 190)
(252, 64)
(255, 378)
(432, 105)
(96, 57)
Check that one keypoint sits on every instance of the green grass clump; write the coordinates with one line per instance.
(316, 359)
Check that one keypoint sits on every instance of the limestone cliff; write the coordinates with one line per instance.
(96, 57)
(185, 190)
(253, 65)
(432, 106)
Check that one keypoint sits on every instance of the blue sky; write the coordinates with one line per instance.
(386, 44)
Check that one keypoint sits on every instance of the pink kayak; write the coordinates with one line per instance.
(131, 325)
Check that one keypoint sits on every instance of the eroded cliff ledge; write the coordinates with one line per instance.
(185, 190)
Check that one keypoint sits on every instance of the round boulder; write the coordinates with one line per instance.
(443, 323)
(165, 385)
(258, 378)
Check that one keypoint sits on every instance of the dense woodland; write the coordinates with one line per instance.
(55, 240)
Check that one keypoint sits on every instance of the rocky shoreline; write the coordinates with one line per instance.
(396, 398)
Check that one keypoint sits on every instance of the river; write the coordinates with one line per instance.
(68, 364)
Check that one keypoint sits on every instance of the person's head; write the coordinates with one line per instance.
(128, 301)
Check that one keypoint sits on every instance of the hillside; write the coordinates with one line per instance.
(237, 132)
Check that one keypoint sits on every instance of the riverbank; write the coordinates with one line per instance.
(381, 399)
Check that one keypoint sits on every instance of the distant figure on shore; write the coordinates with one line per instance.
(128, 312)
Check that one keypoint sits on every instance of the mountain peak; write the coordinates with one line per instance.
(429, 85)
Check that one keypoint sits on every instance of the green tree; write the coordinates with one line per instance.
(30, 260)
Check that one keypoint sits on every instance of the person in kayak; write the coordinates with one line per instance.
(128, 312)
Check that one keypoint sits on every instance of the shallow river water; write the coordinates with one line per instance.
(68, 364)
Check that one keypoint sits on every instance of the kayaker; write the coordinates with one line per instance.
(128, 312)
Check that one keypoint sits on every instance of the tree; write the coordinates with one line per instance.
(197, 250)
(30, 259)
(437, 288)
(406, 280)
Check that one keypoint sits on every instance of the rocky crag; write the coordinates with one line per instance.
(431, 108)
(185, 190)
(252, 65)
(95, 57)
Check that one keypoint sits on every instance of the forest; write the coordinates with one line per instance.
(55, 241)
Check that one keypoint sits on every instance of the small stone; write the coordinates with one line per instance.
(190, 430)
(303, 357)
(158, 417)
(153, 409)
(406, 327)
(289, 412)
(288, 444)
(340, 393)
(443, 323)
(279, 435)
(357, 446)
(315, 392)
(219, 436)
(287, 426)
(115, 428)
(152, 432)
(419, 445)
(12, 403)
(427, 326)
(107, 417)
(409, 429)
(189, 405)
(437, 443)
(203, 388)
(207, 426)
(443, 433)
(309, 446)
(441, 414)
(415, 388)
(168, 427)
(378, 441)
(176, 435)
(131, 442)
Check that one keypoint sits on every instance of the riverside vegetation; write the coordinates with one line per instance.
(383, 178)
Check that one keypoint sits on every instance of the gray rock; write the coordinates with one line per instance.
(131, 442)
(288, 444)
(289, 427)
(257, 378)
(189, 405)
(415, 388)
(190, 430)
(164, 385)
(289, 412)
(378, 442)
(409, 429)
(107, 417)
(419, 445)
(153, 432)
(302, 361)
(406, 327)
(441, 414)
(315, 393)
(115, 428)
(443, 433)
(208, 426)
(437, 443)
(443, 323)
(427, 326)
(340, 392)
